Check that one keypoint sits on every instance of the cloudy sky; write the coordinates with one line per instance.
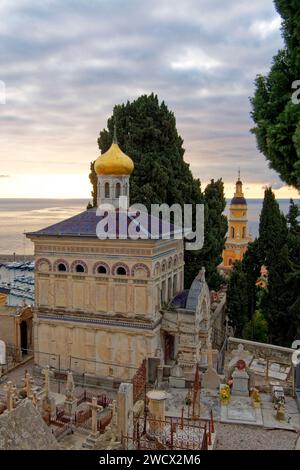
(66, 63)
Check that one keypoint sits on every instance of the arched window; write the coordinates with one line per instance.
(101, 270)
(43, 264)
(244, 232)
(121, 271)
(79, 268)
(106, 188)
(125, 189)
(118, 190)
(230, 262)
(232, 232)
(140, 270)
(62, 267)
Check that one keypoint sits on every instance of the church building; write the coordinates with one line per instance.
(100, 303)
(238, 237)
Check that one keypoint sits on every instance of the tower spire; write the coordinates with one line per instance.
(239, 174)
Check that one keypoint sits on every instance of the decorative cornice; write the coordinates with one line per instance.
(97, 321)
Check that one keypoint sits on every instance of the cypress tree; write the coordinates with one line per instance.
(146, 131)
(215, 236)
(276, 116)
(273, 251)
(272, 229)
(237, 298)
(293, 277)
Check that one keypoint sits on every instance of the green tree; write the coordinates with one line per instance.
(93, 180)
(147, 132)
(257, 328)
(293, 277)
(242, 290)
(251, 266)
(278, 247)
(237, 298)
(215, 236)
(272, 229)
(276, 301)
(276, 117)
(274, 253)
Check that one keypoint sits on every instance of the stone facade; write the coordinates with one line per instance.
(16, 329)
(98, 302)
(187, 325)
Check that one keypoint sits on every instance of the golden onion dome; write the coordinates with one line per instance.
(114, 161)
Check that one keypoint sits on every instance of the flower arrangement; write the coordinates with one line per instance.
(225, 394)
(256, 398)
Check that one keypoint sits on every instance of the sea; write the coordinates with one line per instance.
(18, 216)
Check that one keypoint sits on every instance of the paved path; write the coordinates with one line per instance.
(241, 437)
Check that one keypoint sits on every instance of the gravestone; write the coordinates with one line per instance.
(176, 379)
(240, 386)
(125, 412)
(70, 404)
(210, 379)
(2, 353)
(240, 354)
(153, 364)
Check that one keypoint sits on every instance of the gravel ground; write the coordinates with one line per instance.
(239, 437)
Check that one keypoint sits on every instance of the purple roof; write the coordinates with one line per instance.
(180, 299)
(85, 225)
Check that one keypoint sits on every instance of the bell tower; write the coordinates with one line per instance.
(238, 237)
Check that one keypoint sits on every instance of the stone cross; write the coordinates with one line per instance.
(95, 408)
(209, 354)
(34, 399)
(9, 396)
(14, 395)
(46, 373)
(27, 384)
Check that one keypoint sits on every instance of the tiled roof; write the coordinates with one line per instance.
(239, 200)
(85, 225)
(180, 299)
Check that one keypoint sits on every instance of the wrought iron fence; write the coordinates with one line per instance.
(170, 434)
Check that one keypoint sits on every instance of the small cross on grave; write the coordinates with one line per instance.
(95, 408)
(27, 384)
(9, 396)
(35, 400)
(46, 372)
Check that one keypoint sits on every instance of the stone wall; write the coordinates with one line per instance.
(99, 350)
(266, 351)
(7, 329)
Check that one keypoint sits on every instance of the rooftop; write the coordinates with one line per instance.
(116, 223)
